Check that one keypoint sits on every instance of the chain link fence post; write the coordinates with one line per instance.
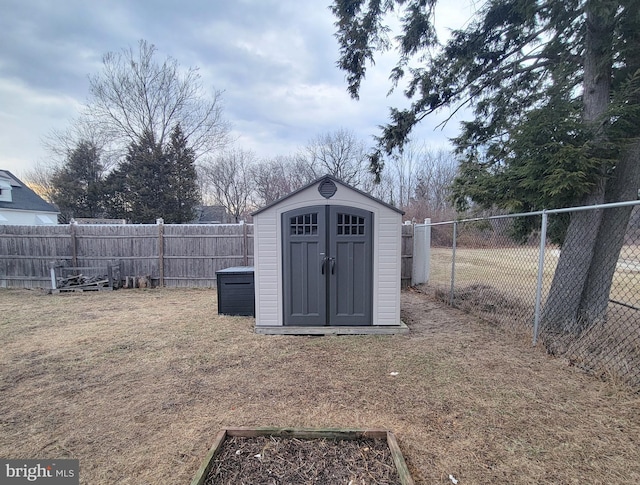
(453, 262)
(543, 244)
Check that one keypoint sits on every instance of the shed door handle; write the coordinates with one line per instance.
(333, 265)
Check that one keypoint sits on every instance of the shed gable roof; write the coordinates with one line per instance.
(320, 180)
(23, 198)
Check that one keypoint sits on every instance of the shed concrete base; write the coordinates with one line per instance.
(342, 330)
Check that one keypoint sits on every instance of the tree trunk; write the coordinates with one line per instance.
(622, 186)
(561, 310)
(569, 280)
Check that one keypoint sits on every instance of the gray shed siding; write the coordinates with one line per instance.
(386, 254)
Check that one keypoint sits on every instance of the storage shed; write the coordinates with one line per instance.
(327, 260)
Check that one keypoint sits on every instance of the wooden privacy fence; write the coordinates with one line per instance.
(171, 255)
(185, 255)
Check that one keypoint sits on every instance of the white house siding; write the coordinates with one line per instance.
(27, 218)
(386, 254)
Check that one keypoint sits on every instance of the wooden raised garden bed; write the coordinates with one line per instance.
(277, 455)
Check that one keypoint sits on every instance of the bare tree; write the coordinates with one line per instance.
(39, 179)
(433, 179)
(402, 172)
(383, 190)
(226, 180)
(340, 154)
(61, 143)
(133, 95)
(277, 177)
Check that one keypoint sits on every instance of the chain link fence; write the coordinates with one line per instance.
(567, 278)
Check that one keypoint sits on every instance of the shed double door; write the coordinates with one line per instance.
(327, 266)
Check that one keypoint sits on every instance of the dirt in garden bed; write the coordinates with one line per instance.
(290, 461)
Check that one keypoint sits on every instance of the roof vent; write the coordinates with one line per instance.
(327, 188)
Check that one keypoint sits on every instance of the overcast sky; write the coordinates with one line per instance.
(273, 59)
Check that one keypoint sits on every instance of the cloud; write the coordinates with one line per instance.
(275, 60)
(21, 135)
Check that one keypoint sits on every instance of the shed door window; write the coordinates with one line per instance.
(350, 225)
(304, 224)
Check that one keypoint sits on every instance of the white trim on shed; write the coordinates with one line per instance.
(268, 254)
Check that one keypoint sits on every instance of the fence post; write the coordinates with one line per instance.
(74, 243)
(52, 274)
(543, 244)
(453, 261)
(427, 247)
(160, 223)
(245, 244)
(421, 250)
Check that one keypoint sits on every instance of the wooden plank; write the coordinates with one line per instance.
(95, 283)
(37, 236)
(360, 330)
(398, 459)
(25, 278)
(76, 268)
(96, 258)
(309, 433)
(226, 256)
(204, 236)
(202, 472)
(80, 289)
(195, 278)
(117, 236)
(112, 257)
(20, 256)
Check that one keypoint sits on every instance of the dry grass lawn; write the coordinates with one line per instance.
(135, 384)
(515, 269)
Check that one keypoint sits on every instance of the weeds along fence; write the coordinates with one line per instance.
(484, 267)
(174, 255)
(171, 255)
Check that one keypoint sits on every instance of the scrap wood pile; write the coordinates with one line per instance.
(72, 278)
(81, 282)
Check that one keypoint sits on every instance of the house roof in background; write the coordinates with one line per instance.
(210, 214)
(23, 198)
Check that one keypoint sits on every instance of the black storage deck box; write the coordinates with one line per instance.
(236, 293)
